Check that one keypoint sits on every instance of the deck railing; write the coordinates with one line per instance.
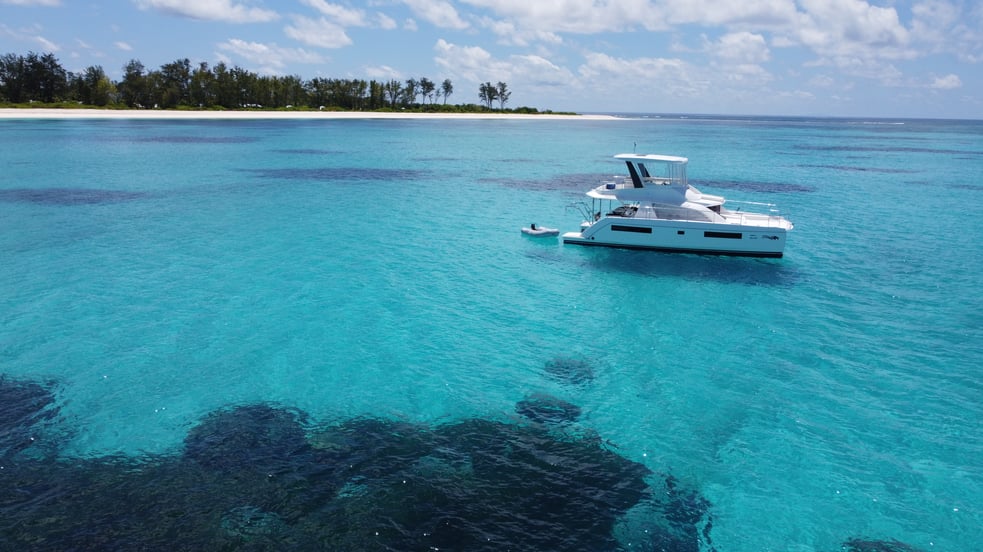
(771, 220)
(733, 212)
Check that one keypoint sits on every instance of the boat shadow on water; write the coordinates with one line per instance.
(720, 268)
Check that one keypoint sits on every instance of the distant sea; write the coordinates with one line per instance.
(331, 335)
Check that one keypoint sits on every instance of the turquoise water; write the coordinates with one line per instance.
(157, 271)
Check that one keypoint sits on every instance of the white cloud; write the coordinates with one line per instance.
(943, 27)
(30, 34)
(862, 40)
(679, 81)
(853, 35)
(475, 64)
(747, 14)
(743, 47)
(574, 16)
(317, 32)
(830, 27)
(270, 58)
(508, 33)
(31, 2)
(737, 57)
(123, 46)
(744, 74)
(211, 10)
(470, 62)
(383, 72)
(933, 21)
(539, 71)
(797, 95)
(947, 82)
(598, 16)
(328, 31)
(439, 13)
(886, 73)
(675, 76)
(847, 29)
(822, 81)
(385, 22)
(46, 45)
(341, 15)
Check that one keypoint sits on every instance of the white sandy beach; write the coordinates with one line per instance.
(42, 113)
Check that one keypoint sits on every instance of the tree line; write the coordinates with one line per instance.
(180, 84)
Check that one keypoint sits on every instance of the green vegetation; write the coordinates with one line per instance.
(39, 80)
(489, 94)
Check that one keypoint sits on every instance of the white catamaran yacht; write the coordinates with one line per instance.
(654, 207)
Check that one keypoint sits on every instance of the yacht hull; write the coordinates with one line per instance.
(681, 237)
(655, 208)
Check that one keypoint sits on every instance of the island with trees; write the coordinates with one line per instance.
(36, 80)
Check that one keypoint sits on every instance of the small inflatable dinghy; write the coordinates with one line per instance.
(534, 230)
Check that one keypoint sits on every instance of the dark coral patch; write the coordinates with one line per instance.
(67, 196)
(368, 447)
(307, 151)
(344, 174)
(257, 437)
(685, 508)
(888, 149)
(24, 407)
(570, 370)
(250, 523)
(544, 408)
(676, 518)
(563, 183)
(855, 168)
(529, 489)
(756, 187)
(248, 480)
(193, 139)
(873, 545)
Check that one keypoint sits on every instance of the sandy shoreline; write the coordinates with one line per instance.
(42, 113)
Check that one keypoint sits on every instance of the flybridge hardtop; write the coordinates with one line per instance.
(654, 207)
(660, 178)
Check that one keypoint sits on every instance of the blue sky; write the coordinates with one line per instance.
(853, 58)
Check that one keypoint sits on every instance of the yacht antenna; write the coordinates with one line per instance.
(634, 145)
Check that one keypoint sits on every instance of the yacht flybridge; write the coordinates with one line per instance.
(654, 207)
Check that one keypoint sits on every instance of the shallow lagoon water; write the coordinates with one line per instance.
(156, 272)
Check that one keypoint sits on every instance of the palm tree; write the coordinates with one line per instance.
(393, 89)
(426, 89)
(446, 89)
(411, 90)
(487, 94)
(134, 86)
(502, 93)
